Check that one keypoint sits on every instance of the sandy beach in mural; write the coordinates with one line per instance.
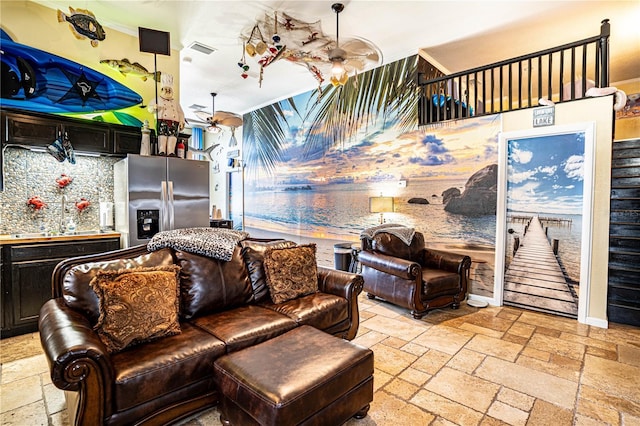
(482, 257)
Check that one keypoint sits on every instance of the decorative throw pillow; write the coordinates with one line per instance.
(253, 256)
(291, 272)
(137, 305)
(77, 292)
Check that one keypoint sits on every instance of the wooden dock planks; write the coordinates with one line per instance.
(534, 279)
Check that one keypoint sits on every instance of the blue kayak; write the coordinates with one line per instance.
(36, 80)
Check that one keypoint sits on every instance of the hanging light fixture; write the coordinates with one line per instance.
(339, 74)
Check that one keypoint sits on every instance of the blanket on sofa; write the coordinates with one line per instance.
(404, 233)
(217, 243)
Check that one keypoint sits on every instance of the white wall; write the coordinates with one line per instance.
(218, 180)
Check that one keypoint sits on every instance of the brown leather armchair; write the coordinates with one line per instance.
(413, 276)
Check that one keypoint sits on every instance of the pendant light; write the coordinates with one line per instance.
(339, 74)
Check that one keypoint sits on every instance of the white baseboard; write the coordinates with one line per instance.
(597, 322)
(489, 300)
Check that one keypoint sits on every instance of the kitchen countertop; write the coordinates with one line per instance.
(36, 237)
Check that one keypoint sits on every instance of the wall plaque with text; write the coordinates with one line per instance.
(544, 116)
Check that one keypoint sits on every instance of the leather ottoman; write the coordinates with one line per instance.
(303, 377)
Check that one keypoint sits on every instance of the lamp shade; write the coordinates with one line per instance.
(380, 204)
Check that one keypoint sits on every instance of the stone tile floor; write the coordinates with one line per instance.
(491, 366)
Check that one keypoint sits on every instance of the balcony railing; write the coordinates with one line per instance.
(558, 74)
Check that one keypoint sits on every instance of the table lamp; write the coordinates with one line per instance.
(380, 205)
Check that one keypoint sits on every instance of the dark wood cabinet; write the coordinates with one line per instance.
(126, 141)
(29, 290)
(26, 278)
(28, 130)
(88, 137)
(40, 130)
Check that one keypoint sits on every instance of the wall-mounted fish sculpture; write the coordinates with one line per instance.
(127, 68)
(206, 152)
(83, 24)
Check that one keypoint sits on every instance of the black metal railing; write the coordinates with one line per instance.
(558, 74)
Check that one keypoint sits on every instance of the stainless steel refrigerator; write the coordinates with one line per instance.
(153, 194)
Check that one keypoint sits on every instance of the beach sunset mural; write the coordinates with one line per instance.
(324, 193)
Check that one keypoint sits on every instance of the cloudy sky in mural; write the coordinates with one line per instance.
(381, 152)
(546, 174)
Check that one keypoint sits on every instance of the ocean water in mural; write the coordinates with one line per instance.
(339, 210)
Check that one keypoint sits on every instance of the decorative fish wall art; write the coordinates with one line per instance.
(83, 24)
(127, 68)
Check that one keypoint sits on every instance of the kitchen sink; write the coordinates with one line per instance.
(53, 234)
(31, 235)
(91, 232)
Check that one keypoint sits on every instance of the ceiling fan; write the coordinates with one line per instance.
(219, 118)
(305, 44)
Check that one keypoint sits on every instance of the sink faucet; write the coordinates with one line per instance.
(63, 223)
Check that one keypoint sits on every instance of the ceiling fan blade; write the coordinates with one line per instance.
(203, 115)
(231, 122)
(354, 64)
(229, 119)
(362, 50)
(373, 57)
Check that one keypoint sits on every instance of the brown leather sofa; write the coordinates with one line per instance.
(168, 379)
(413, 276)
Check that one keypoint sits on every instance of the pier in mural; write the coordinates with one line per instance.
(545, 187)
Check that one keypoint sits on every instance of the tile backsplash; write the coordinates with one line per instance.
(28, 174)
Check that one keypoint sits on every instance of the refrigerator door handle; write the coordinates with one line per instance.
(170, 206)
(163, 207)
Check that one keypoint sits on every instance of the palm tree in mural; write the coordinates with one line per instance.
(390, 92)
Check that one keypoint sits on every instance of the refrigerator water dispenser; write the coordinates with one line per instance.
(148, 223)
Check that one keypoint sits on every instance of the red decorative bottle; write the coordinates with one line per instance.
(180, 149)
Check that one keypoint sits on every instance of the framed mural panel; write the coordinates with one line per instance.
(544, 219)
(442, 180)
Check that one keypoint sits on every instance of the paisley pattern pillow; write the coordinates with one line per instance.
(291, 272)
(137, 305)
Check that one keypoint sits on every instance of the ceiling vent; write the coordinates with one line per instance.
(196, 107)
(202, 48)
